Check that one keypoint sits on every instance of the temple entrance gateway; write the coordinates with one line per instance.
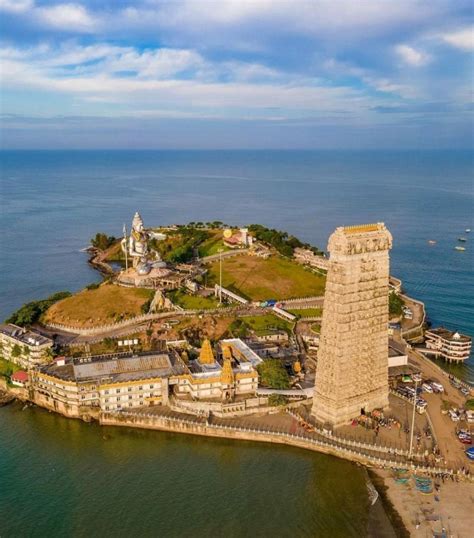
(352, 371)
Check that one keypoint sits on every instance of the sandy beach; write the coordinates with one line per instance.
(415, 514)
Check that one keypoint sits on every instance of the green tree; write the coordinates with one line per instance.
(395, 304)
(16, 351)
(272, 374)
(102, 241)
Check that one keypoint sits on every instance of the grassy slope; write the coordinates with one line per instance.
(266, 323)
(307, 312)
(273, 278)
(192, 302)
(106, 304)
(212, 245)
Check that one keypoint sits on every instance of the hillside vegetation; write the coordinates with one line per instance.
(106, 304)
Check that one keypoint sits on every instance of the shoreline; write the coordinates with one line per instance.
(393, 518)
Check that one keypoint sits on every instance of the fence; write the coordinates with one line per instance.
(200, 427)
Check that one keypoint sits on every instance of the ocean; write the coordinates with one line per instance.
(62, 474)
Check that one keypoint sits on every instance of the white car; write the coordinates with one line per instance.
(427, 388)
(453, 416)
(437, 386)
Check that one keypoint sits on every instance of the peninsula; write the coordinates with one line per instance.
(249, 333)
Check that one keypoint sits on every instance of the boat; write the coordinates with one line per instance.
(431, 242)
(462, 249)
(468, 230)
(463, 239)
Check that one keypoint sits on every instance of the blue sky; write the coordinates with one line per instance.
(236, 74)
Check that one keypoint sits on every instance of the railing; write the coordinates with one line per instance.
(285, 436)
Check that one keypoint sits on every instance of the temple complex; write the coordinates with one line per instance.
(352, 375)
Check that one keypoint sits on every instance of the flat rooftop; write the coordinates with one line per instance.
(120, 368)
(25, 336)
(446, 334)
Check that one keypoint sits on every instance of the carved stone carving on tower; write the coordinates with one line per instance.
(352, 370)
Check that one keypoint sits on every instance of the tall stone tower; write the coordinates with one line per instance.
(352, 372)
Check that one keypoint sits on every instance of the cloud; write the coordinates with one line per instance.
(411, 56)
(461, 39)
(16, 6)
(68, 17)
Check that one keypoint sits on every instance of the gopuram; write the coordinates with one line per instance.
(352, 371)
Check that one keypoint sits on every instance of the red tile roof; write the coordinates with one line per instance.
(21, 376)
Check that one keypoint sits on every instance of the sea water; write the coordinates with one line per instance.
(59, 476)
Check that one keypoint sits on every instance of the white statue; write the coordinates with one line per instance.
(137, 247)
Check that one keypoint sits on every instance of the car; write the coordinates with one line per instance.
(437, 387)
(417, 378)
(456, 384)
(464, 391)
(453, 415)
(470, 416)
(427, 387)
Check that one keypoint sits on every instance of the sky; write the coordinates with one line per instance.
(249, 74)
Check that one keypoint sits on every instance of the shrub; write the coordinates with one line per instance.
(277, 399)
(31, 312)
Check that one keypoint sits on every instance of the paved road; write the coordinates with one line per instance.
(451, 448)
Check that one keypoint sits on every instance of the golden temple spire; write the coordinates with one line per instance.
(227, 374)
(206, 355)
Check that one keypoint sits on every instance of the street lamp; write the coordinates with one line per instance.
(413, 420)
(220, 276)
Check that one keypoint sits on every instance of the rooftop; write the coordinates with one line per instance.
(21, 376)
(112, 369)
(446, 334)
(363, 228)
(25, 336)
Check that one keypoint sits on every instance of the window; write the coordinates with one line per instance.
(129, 389)
(140, 387)
(117, 390)
(106, 392)
(130, 397)
(107, 400)
(151, 386)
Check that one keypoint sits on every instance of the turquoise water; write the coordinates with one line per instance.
(58, 476)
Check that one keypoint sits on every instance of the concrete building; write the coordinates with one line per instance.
(88, 385)
(451, 346)
(352, 371)
(308, 257)
(24, 347)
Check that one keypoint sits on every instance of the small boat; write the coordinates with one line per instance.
(468, 230)
(462, 249)
(431, 242)
(463, 239)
